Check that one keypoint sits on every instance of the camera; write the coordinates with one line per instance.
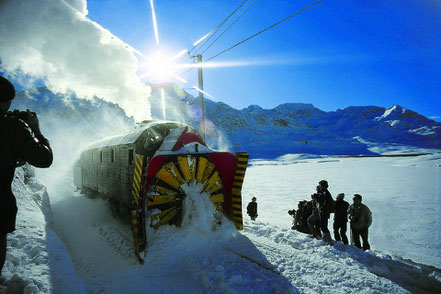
(23, 115)
(315, 196)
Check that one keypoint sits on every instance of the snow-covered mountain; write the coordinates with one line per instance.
(302, 128)
(264, 133)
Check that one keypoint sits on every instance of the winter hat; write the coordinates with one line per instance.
(7, 91)
(323, 183)
(341, 196)
(254, 198)
(357, 196)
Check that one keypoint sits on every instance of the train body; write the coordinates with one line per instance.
(147, 169)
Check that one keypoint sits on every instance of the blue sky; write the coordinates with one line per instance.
(333, 55)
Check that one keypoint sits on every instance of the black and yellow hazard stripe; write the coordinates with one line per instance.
(236, 192)
(136, 188)
(137, 174)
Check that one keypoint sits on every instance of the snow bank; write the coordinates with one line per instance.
(37, 261)
(314, 267)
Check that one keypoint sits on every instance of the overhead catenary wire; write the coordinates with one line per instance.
(264, 30)
(222, 24)
(216, 29)
(240, 16)
(252, 36)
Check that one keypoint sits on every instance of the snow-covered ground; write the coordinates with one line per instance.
(74, 245)
(404, 195)
(37, 260)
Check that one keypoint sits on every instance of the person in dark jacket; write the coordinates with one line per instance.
(252, 209)
(361, 219)
(341, 219)
(314, 219)
(326, 203)
(20, 140)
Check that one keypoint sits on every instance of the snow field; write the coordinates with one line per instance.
(95, 255)
(404, 195)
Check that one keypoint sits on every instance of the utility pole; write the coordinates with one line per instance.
(201, 95)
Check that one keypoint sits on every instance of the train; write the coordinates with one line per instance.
(143, 174)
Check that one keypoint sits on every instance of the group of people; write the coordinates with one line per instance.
(21, 141)
(312, 217)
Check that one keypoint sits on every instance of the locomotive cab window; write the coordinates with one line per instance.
(131, 156)
(153, 140)
(112, 155)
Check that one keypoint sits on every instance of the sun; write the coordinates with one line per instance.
(159, 67)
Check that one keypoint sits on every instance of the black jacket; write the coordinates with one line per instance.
(17, 142)
(341, 211)
(252, 209)
(326, 203)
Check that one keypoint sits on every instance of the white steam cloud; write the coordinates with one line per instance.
(53, 40)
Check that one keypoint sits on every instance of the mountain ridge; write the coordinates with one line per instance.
(265, 133)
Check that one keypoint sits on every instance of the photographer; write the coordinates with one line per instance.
(300, 217)
(21, 140)
(361, 219)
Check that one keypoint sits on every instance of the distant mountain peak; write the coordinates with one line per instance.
(252, 108)
(386, 113)
(295, 106)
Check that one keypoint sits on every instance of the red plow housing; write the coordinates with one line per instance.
(160, 188)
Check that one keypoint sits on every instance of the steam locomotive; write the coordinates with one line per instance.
(147, 168)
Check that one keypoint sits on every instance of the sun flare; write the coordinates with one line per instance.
(160, 67)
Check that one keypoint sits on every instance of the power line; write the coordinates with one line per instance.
(243, 41)
(229, 26)
(217, 28)
(211, 33)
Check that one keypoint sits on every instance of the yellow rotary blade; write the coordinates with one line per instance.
(187, 165)
(208, 170)
(217, 198)
(170, 174)
(202, 164)
(164, 217)
(214, 183)
(165, 191)
(160, 199)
